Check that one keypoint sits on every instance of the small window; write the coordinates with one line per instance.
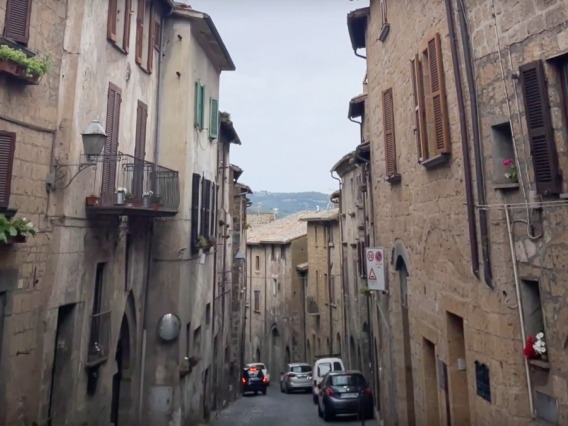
(316, 235)
(504, 160)
(283, 252)
(332, 290)
(532, 308)
(257, 263)
(389, 137)
(257, 300)
(199, 105)
(208, 314)
(272, 253)
(278, 287)
(482, 381)
(274, 286)
(197, 341)
(17, 21)
(188, 339)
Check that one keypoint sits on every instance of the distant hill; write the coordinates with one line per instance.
(288, 202)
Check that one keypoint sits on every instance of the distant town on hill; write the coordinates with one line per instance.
(288, 203)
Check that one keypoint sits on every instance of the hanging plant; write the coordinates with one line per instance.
(15, 230)
(34, 67)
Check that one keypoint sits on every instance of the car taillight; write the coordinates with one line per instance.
(243, 380)
(264, 380)
(290, 376)
(330, 392)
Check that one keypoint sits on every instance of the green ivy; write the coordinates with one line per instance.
(34, 67)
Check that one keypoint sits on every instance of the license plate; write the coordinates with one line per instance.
(301, 376)
(349, 395)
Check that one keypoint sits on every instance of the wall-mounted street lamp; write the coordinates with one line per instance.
(94, 138)
(169, 327)
(240, 255)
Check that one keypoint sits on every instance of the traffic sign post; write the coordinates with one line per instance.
(375, 269)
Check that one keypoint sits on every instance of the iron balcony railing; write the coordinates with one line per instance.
(99, 339)
(144, 186)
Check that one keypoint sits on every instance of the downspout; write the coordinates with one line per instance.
(224, 258)
(360, 123)
(483, 225)
(473, 243)
(519, 304)
(358, 55)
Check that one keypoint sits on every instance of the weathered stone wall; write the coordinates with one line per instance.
(422, 223)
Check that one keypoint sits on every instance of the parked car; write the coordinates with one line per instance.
(345, 393)
(261, 366)
(321, 368)
(253, 380)
(298, 376)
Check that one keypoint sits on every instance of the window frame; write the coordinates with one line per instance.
(8, 167)
(256, 307)
(11, 33)
(112, 24)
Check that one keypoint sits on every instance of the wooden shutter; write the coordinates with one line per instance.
(214, 119)
(539, 126)
(157, 33)
(110, 150)
(439, 104)
(205, 207)
(419, 109)
(139, 150)
(151, 36)
(17, 22)
(140, 30)
(213, 215)
(127, 18)
(388, 128)
(7, 147)
(112, 19)
(199, 95)
(195, 186)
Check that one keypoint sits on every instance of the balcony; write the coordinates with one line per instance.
(147, 188)
(99, 339)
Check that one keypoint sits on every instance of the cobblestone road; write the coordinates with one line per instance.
(277, 409)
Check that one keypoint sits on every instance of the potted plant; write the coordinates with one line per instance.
(535, 347)
(122, 195)
(511, 172)
(16, 63)
(16, 230)
(147, 199)
(92, 200)
(203, 243)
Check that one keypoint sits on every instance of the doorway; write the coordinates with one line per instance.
(459, 389)
(61, 380)
(430, 383)
(121, 402)
(408, 376)
(275, 350)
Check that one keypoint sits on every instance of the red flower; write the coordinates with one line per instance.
(508, 163)
(529, 351)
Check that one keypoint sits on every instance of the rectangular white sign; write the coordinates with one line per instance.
(375, 268)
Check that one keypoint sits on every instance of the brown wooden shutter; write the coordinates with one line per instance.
(539, 125)
(419, 109)
(7, 147)
(127, 18)
(157, 33)
(110, 150)
(439, 103)
(111, 19)
(17, 22)
(151, 29)
(140, 30)
(141, 121)
(388, 128)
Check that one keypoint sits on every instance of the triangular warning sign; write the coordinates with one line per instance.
(372, 275)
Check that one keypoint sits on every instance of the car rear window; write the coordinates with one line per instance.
(337, 366)
(324, 368)
(259, 366)
(348, 380)
(301, 369)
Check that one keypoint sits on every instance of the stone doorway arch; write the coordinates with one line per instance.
(275, 351)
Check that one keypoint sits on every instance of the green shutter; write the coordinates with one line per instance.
(199, 107)
(214, 119)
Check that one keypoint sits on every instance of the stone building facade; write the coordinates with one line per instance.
(324, 317)
(275, 327)
(474, 241)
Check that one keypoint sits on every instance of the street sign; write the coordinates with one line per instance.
(375, 269)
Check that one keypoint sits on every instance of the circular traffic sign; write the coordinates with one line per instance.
(379, 257)
(370, 255)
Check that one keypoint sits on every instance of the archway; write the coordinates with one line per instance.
(121, 380)
(275, 351)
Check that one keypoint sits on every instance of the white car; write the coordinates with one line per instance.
(321, 368)
(260, 366)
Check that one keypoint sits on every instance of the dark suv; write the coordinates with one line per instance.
(253, 380)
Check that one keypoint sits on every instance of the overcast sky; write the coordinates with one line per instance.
(288, 98)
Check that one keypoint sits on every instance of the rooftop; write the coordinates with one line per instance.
(281, 231)
(357, 25)
(321, 216)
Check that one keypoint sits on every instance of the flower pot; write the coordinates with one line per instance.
(146, 201)
(120, 198)
(19, 239)
(18, 71)
(92, 200)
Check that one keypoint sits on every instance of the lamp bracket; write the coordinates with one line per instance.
(52, 177)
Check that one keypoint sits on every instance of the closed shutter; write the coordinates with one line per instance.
(140, 30)
(151, 37)
(212, 225)
(439, 104)
(195, 186)
(214, 119)
(112, 19)
(7, 146)
(419, 109)
(139, 150)
(157, 33)
(388, 128)
(127, 18)
(17, 22)
(205, 207)
(110, 150)
(199, 96)
(539, 125)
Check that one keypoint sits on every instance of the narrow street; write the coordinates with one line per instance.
(277, 409)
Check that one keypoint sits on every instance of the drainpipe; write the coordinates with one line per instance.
(250, 308)
(358, 55)
(360, 123)
(468, 181)
(519, 304)
(469, 70)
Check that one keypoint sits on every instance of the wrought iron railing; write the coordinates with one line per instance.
(146, 185)
(99, 339)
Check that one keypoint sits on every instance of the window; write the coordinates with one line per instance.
(301, 368)
(17, 21)
(482, 380)
(274, 286)
(208, 314)
(539, 125)
(196, 184)
(197, 341)
(389, 137)
(188, 339)
(330, 235)
(316, 234)
(385, 26)
(146, 17)
(324, 367)
(257, 263)
(139, 150)
(278, 285)
(7, 147)
(503, 153)
(100, 320)
(532, 307)
(205, 207)
(214, 118)
(157, 32)
(283, 252)
(431, 110)
(272, 253)
(118, 24)
(332, 289)
(348, 380)
(562, 65)
(199, 105)
(110, 150)
(257, 300)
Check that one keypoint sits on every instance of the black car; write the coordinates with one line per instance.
(253, 380)
(345, 392)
